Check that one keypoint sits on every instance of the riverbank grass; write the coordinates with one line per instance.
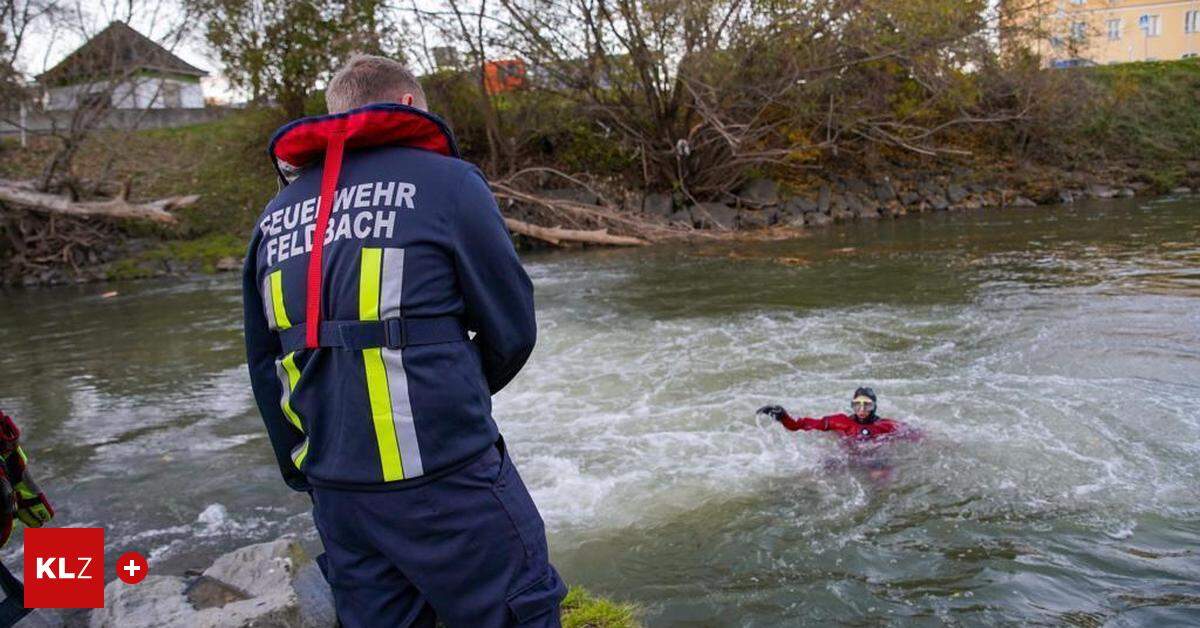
(581, 609)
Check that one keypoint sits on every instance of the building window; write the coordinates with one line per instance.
(1189, 55)
(1078, 31)
(1151, 25)
(1191, 22)
(1114, 29)
(1078, 1)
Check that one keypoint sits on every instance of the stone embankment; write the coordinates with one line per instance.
(762, 203)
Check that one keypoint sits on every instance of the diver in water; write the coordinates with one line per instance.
(862, 432)
(863, 425)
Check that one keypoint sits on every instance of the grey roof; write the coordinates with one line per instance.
(116, 50)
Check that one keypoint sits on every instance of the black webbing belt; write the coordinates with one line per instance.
(390, 333)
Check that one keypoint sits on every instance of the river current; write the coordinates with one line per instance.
(1051, 358)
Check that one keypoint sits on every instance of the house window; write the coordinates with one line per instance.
(1189, 55)
(1191, 22)
(1151, 25)
(1078, 31)
(1114, 29)
(1078, 1)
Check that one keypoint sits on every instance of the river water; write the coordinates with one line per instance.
(1051, 357)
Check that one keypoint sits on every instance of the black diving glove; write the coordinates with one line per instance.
(775, 412)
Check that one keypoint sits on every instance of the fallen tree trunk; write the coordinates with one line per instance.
(557, 236)
(158, 211)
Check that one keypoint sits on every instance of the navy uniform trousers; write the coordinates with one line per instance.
(467, 549)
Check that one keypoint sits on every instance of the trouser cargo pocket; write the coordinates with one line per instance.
(537, 604)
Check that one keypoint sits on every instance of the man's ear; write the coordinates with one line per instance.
(406, 99)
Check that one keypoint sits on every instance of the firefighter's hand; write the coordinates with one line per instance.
(34, 511)
(775, 412)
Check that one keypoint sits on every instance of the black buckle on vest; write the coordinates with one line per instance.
(395, 335)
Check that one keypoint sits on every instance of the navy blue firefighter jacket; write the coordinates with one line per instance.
(375, 349)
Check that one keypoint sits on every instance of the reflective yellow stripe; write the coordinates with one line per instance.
(377, 384)
(281, 317)
(368, 285)
(24, 491)
(299, 456)
(293, 376)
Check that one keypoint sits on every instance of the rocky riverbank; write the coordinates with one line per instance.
(267, 585)
(764, 203)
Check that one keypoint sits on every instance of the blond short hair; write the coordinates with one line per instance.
(367, 79)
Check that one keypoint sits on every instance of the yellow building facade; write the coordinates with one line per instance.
(1083, 32)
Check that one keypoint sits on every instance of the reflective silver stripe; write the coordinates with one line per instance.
(402, 414)
(300, 453)
(285, 385)
(391, 287)
(391, 283)
(268, 304)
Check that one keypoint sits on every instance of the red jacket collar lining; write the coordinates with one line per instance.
(303, 142)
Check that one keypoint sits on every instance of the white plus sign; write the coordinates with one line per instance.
(132, 568)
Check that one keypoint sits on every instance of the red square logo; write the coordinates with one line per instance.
(64, 567)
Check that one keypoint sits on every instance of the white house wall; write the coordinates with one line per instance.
(139, 93)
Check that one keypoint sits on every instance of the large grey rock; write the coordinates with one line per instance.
(316, 600)
(956, 193)
(1022, 201)
(816, 219)
(857, 186)
(866, 212)
(1102, 191)
(884, 192)
(824, 199)
(939, 202)
(155, 601)
(930, 190)
(756, 218)
(861, 208)
(266, 585)
(841, 215)
(658, 205)
(714, 216)
(760, 193)
(260, 569)
(799, 205)
(837, 202)
(854, 203)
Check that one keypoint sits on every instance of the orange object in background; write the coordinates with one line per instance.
(504, 75)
